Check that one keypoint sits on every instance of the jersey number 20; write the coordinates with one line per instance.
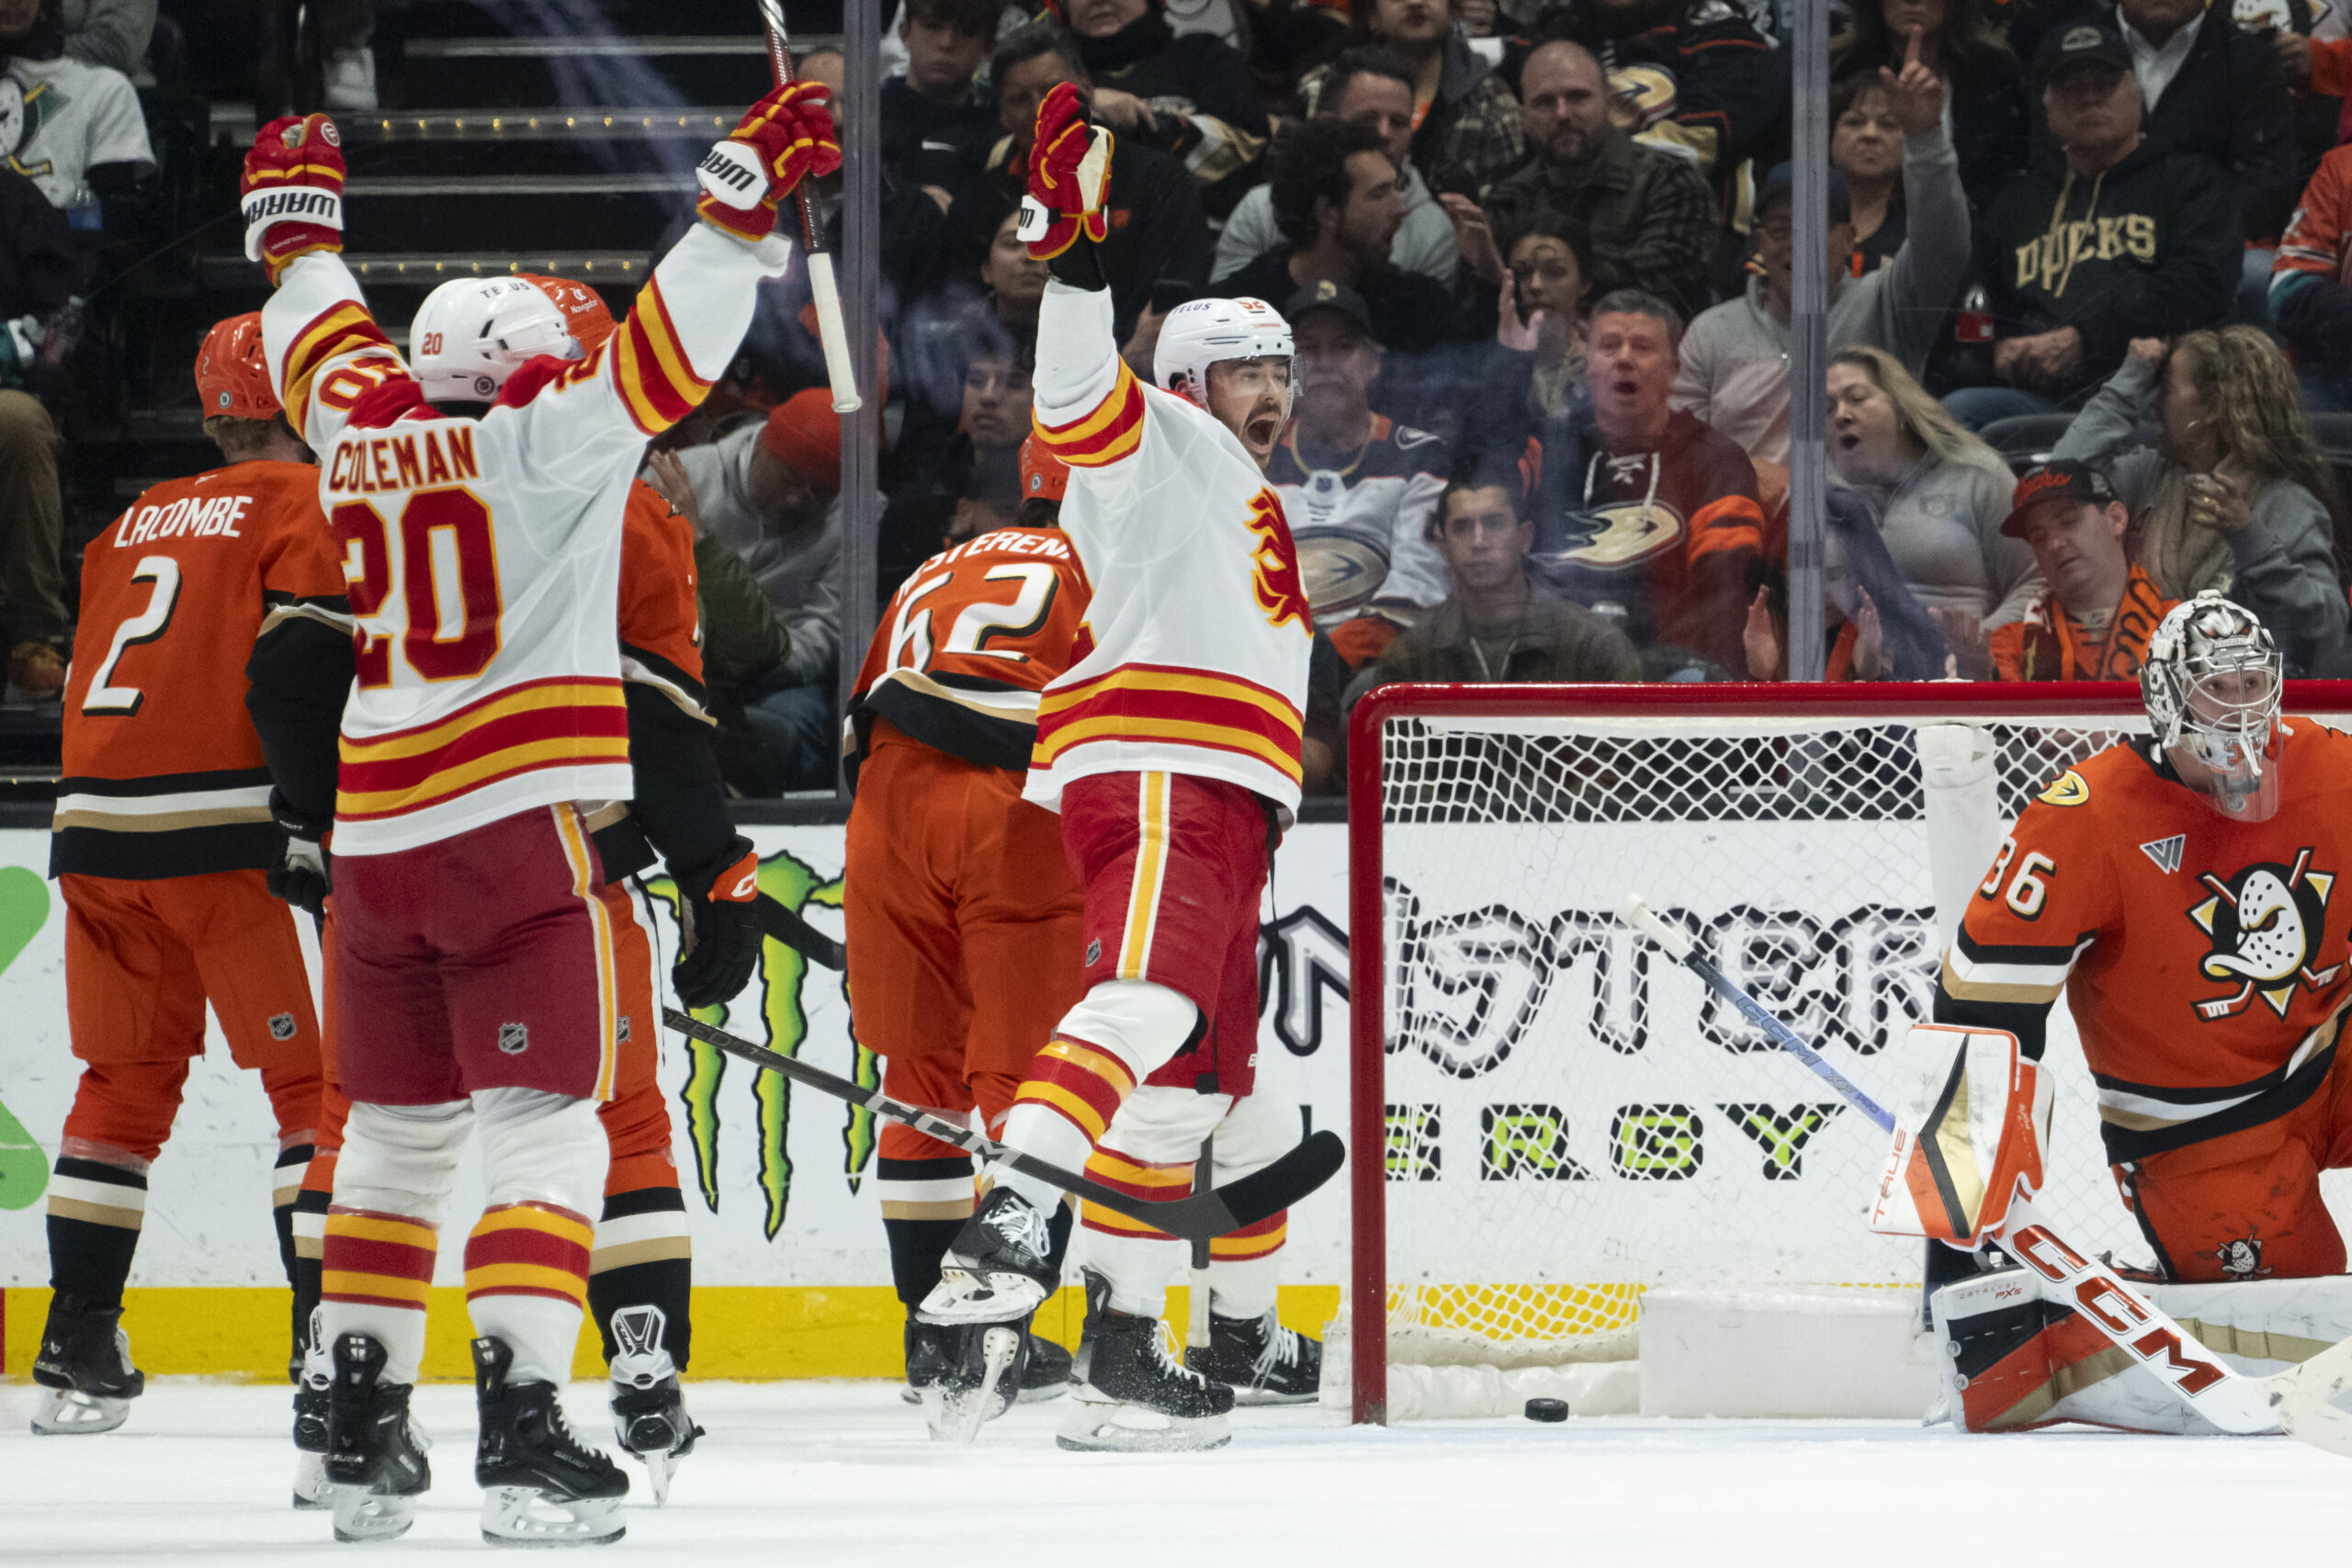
(449, 562)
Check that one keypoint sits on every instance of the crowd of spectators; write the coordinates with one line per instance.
(1537, 257)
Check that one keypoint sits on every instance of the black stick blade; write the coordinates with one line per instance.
(1264, 1193)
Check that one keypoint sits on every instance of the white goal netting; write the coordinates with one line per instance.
(1573, 1119)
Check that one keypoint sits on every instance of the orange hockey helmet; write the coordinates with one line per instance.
(585, 315)
(1044, 477)
(231, 372)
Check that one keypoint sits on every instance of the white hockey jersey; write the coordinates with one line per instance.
(1363, 531)
(484, 556)
(1193, 655)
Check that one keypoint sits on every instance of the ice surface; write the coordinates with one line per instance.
(840, 1473)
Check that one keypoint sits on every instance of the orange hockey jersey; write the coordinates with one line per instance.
(2204, 960)
(164, 773)
(970, 640)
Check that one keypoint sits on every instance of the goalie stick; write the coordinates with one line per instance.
(1200, 1217)
(2296, 1399)
(824, 289)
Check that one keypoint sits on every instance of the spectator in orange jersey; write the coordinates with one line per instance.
(163, 844)
(2094, 619)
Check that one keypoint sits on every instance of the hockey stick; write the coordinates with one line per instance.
(1200, 1217)
(822, 288)
(797, 934)
(2295, 1400)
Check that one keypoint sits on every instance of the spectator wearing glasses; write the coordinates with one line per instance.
(1372, 87)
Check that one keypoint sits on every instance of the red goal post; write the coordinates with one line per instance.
(1539, 1115)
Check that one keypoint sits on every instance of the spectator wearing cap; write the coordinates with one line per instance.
(1736, 357)
(2212, 88)
(1159, 241)
(1651, 219)
(1693, 76)
(771, 492)
(2119, 239)
(937, 126)
(1336, 197)
(2093, 620)
(36, 278)
(1466, 130)
(2235, 494)
(1499, 623)
(1189, 94)
(1372, 87)
(1359, 490)
(1959, 42)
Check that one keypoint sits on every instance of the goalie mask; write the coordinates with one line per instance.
(474, 332)
(1199, 333)
(2212, 685)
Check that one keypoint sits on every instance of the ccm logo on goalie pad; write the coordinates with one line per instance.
(2102, 1300)
(730, 171)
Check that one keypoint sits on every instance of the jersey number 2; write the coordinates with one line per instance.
(144, 626)
(435, 525)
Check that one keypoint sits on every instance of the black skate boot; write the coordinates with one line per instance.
(649, 1418)
(998, 1269)
(965, 1375)
(1260, 1361)
(1132, 1394)
(1048, 1374)
(85, 1362)
(539, 1486)
(374, 1463)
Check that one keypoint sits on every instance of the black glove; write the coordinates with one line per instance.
(718, 910)
(301, 876)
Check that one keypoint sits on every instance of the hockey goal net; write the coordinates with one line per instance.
(1550, 1118)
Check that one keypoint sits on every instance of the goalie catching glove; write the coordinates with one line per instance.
(1069, 168)
(783, 137)
(718, 913)
(291, 191)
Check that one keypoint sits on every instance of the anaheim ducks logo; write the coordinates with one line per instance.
(1274, 564)
(2266, 923)
(1628, 532)
(1641, 95)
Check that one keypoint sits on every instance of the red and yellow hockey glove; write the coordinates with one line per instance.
(1069, 167)
(784, 136)
(291, 191)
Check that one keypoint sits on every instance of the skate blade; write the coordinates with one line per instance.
(362, 1514)
(1244, 1394)
(658, 1467)
(961, 1411)
(1045, 1392)
(65, 1411)
(961, 1298)
(525, 1515)
(311, 1488)
(1094, 1426)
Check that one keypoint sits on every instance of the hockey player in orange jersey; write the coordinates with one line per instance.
(965, 922)
(1170, 747)
(480, 496)
(640, 1273)
(161, 840)
(2181, 893)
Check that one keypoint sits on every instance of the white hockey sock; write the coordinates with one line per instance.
(526, 1262)
(391, 1187)
(1048, 1134)
(1138, 1268)
(1244, 1287)
(1119, 1032)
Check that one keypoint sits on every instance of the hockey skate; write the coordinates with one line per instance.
(965, 1375)
(84, 1365)
(1133, 1396)
(1048, 1374)
(1260, 1361)
(313, 1376)
(539, 1486)
(999, 1268)
(375, 1458)
(649, 1418)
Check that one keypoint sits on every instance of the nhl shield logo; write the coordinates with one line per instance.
(513, 1038)
(2265, 924)
(281, 1026)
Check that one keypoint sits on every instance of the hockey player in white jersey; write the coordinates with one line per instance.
(479, 497)
(1170, 747)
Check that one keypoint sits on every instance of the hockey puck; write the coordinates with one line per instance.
(1547, 1410)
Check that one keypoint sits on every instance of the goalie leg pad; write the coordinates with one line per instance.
(2013, 1361)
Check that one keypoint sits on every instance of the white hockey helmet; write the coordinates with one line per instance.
(1199, 333)
(472, 332)
(2213, 680)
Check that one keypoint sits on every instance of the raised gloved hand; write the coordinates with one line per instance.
(301, 876)
(718, 910)
(1069, 167)
(291, 191)
(784, 136)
